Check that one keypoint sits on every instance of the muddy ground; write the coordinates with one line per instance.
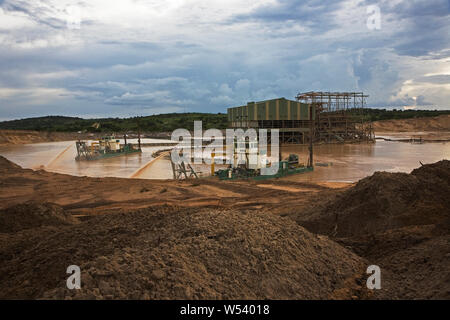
(207, 239)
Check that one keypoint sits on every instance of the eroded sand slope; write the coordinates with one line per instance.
(440, 123)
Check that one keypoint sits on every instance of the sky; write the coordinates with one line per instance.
(125, 58)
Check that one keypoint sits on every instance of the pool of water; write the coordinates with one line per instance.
(60, 157)
(351, 162)
(348, 162)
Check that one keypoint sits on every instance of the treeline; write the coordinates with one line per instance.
(171, 121)
(154, 123)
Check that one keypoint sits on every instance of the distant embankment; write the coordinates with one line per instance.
(8, 137)
(439, 123)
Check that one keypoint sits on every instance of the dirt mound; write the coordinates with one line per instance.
(436, 174)
(8, 166)
(11, 137)
(32, 215)
(385, 201)
(440, 123)
(420, 271)
(165, 253)
(22, 137)
(398, 221)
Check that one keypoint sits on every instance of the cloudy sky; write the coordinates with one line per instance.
(101, 58)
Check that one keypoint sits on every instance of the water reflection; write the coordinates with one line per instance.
(60, 157)
(350, 162)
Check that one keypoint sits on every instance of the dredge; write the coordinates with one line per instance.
(286, 167)
(106, 147)
(242, 168)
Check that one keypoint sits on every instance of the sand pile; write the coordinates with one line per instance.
(385, 201)
(439, 123)
(11, 137)
(32, 215)
(22, 137)
(398, 221)
(165, 253)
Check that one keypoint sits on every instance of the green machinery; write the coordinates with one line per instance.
(106, 147)
(286, 167)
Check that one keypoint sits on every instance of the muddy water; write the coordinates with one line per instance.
(60, 157)
(347, 163)
(351, 162)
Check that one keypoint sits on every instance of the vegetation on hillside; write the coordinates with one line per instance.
(154, 123)
(171, 121)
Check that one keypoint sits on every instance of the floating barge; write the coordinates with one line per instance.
(106, 147)
(285, 168)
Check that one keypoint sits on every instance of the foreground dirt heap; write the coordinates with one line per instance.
(32, 215)
(400, 222)
(166, 253)
(385, 201)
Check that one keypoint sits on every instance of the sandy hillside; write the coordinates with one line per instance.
(25, 136)
(440, 123)
(398, 221)
(11, 137)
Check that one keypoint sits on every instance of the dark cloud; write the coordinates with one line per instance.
(44, 15)
(422, 9)
(289, 47)
(315, 14)
(426, 26)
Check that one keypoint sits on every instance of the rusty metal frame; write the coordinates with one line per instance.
(340, 116)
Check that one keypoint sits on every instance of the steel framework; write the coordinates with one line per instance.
(339, 116)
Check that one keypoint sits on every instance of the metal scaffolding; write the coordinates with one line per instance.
(339, 116)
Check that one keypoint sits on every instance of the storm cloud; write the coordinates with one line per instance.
(127, 58)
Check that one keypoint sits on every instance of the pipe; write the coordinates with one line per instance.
(139, 139)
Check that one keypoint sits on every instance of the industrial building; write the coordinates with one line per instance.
(292, 118)
(320, 116)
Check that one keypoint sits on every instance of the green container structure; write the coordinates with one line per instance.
(283, 170)
(269, 110)
(292, 118)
